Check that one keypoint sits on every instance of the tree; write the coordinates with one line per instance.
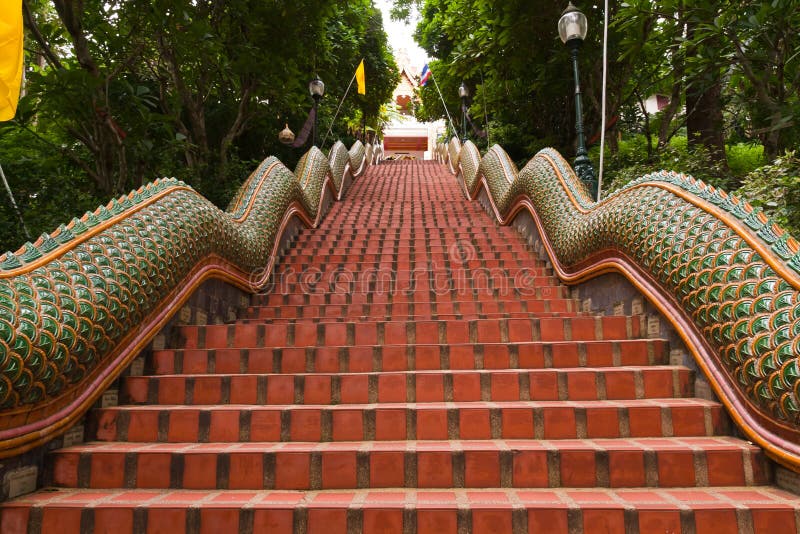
(128, 91)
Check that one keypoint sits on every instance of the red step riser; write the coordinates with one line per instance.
(433, 512)
(554, 294)
(305, 258)
(374, 318)
(418, 357)
(309, 334)
(388, 387)
(412, 311)
(403, 269)
(351, 422)
(395, 465)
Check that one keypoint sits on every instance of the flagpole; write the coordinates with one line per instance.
(339, 108)
(485, 112)
(603, 111)
(14, 203)
(442, 99)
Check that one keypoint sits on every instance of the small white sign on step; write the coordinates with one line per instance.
(201, 317)
(586, 305)
(74, 436)
(788, 480)
(619, 308)
(137, 367)
(185, 315)
(702, 390)
(676, 357)
(637, 306)
(20, 481)
(110, 398)
(653, 326)
(159, 342)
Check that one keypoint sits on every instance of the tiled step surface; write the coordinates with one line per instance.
(311, 333)
(389, 296)
(365, 359)
(465, 392)
(403, 386)
(398, 421)
(413, 464)
(373, 511)
(421, 310)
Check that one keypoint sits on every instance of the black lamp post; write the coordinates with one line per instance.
(572, 30)
(317, 89)
(463, 92)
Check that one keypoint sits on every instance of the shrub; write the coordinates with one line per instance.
(776, 189)
(631, 162)
(744, 158)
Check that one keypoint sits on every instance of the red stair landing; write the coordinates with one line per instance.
(415, 369)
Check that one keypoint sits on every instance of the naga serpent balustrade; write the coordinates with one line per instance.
(78, 305)
(726, 277)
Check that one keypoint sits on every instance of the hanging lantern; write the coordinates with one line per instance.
(286, 136)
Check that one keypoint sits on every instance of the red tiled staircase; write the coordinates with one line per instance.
(415, 369)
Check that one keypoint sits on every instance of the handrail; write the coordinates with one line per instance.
(725, 277)
(79, 304)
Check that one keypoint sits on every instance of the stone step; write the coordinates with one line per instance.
(430, 511)
(395, 296)
(491, 285)
(434, 254)
(404, 386)
(351, 421)
(669, 463)
(366, 359)
(518, 309)
(440, 269)
(370, 333)
(309, 259)
(389, 317)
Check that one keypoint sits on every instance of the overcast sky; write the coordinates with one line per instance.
(400, 35)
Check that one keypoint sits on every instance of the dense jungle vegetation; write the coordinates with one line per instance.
(120, 92)
(727, 74)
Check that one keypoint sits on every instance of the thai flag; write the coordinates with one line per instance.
(425, 76)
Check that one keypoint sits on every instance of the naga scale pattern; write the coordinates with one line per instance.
(67, 301)
(733, 272)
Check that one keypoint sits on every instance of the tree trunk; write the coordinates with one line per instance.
(99, 134)
(704, 123)
(665, 131)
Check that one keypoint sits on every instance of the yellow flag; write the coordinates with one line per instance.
(360, 78)
(10, 57)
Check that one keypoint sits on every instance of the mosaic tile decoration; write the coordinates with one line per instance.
(338, 159)
(731, 271)
(358, 158)
(453, 151)
(68, 300)
(470, 160)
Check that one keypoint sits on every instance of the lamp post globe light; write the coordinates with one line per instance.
(572, 28)
(316, 88)
(463, 92)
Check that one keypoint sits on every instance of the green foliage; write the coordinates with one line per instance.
(121, 92)
(509, 56)
(775, 188)
(729, 67)
(632, 161)
(744, 158)
(49, 189)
